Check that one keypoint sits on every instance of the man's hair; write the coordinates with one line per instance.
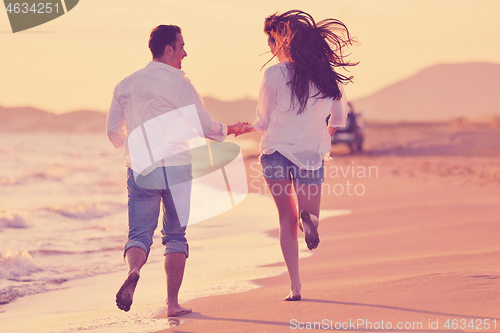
(162, 36)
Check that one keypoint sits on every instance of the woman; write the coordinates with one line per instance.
(296, 97)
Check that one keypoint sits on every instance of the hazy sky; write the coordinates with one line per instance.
(75, 61)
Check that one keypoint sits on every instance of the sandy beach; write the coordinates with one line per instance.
(420, 249)
(416, 250)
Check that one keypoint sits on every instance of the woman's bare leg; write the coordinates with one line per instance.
(282, 192)
(309, 198)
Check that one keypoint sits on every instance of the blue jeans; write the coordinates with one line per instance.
(277, 167)
(170, 186)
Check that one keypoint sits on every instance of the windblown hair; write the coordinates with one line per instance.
(313, 51)
(162, 36)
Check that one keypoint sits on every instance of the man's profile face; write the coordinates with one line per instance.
(178, 52)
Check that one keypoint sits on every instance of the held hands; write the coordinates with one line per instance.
(239, 128)
(245, 129)
(235, 128)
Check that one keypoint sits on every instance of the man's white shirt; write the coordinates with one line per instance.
(149, 94)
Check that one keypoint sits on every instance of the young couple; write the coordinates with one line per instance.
(296, 97)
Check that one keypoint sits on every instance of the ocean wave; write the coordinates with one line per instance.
(8, 151)
(12, 219)
(54, 172)
(8, 181)
(45, 252)
(15, 264)
(89, 211)
(51, 174)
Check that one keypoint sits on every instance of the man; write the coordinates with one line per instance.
(140, 103)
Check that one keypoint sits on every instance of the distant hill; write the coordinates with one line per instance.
(441, 92)
(27, 119)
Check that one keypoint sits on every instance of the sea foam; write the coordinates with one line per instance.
(88, 211)
(12, 219)
(15, 264)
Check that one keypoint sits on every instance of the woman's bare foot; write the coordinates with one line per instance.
(294, 294)
(292, 298)
(178, 310)
(126, 293)
(312, 236)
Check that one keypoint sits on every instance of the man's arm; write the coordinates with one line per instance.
(115, 122)
(212, 129)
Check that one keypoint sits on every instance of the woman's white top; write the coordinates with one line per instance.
(302, 138)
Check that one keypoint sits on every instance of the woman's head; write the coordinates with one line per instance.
(312, 49)
(278, 34)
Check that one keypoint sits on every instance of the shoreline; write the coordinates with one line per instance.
(89, 303)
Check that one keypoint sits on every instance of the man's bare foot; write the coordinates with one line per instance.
(177, 311)
(126, 293)
(311, 237)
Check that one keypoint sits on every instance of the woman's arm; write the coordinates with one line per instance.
(338, 113)
(267, 97)
(332, 130)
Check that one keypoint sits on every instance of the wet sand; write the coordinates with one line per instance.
(419, 252)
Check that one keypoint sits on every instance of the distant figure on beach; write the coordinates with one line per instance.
(158, 90)
(296, 96)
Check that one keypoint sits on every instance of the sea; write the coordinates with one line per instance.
(63, 205)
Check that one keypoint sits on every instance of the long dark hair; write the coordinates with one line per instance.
(314, 50)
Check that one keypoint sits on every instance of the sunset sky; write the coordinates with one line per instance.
(74, 61)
